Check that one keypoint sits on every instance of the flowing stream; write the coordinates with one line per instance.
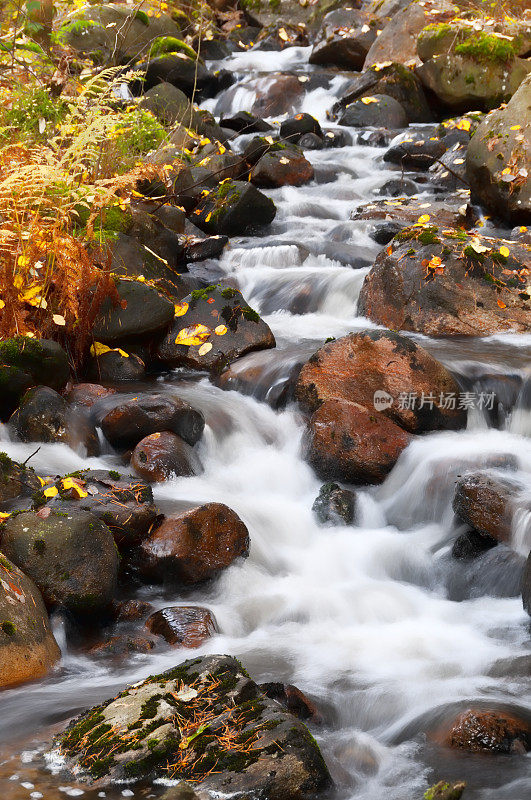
(375, 621)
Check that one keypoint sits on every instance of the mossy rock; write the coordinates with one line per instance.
(466, 68)
(114, 31)
(170, 44)
(71, 557)
(155, 729)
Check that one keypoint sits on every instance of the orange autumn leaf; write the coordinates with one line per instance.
(501, 304)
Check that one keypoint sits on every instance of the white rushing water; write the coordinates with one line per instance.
(367, 619)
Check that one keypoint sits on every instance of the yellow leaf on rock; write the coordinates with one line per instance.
(504, 251)
(4, 515)
(515, 127)
(463, 125)
(423, 219)
(501, 304)
(283, 35)
(98, 349)
(51, 492)
(181, 308)
(2, 304)
(59, 319)
(221, 330)
(205, 348)
(367, 100)
(195, 334)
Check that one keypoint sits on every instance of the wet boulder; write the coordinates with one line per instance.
(213, 327)
(72, 557)
(234, 208)
(17, 482)
(164, 455)
(498, 160)
(121, 647)
(129, 422)
(141, 311)
(374, 111)
(26, 362)
(391, 80)
(335, 505)
(245, 122)
(193, 546)
(486, 731)
(45, 416)
(114, 365)
(471, 544)
(280, 35)
(123, 502)
(344, 39)
(170, 726)
(415, 152)
(347, 442)
(183, 72)
(356, 368)
(28, 649)
(398, 40)
(447, 282)
(293, 700)
(282, 167)
(486, 501)
(276, 94)
(467, 68)
(407, 211)
(168, 103)
(183, 626)
(294, 127)
(88, 394)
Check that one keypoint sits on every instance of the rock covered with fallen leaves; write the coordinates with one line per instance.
(449, 282)
(498, 158)
(213, 327)
(205, 721)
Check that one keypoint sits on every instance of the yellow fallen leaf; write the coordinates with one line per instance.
(501, 304)
(70, 483)
(515, 127)
(205, 348)
(181, 308)
(367, 100)
(4, 515)
(193, 335)
(283, 35)
(463, 125)
(504, 251)
(59, 319)
(51, 492)
(2, 304)
(423, 219)
(221, 330)
(98, 349)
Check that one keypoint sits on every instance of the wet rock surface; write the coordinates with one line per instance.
(28, 649)
(193, 546)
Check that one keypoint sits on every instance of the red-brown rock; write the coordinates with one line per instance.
(287, 167)
(164, 455)
(349, 443)
(480, 731)
(183, 626)
(483, 500)
(86, 394)
(193, 546)
(358, 365)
